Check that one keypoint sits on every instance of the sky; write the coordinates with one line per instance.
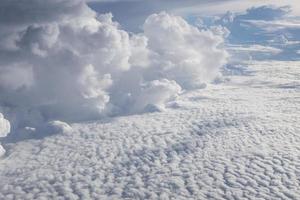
(149, 99)
(131, 13)
(268, 29)
(77, 60)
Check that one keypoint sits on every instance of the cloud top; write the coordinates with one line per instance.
(62, 61)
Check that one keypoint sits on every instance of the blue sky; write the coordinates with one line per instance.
(258, 29)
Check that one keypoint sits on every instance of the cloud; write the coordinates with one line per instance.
(265, 32)
(239, 24)
(137, 11)
(4, 130)
(54, 127)
(275, 25)
(242, 52)
(249, 22)
(4, 126)
(236, 6)
(255, 49)
(155, 94)
(228, 142)
(179, 48)
(63, 61)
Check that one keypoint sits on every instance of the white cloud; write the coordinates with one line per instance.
(4, 126)
(184, 53)
(4, 130)
(243, 52)
(54, 127)
(275, 25)
(155, 94)
(65, 62)
(254, 48)
(235, 140)
(234, 6)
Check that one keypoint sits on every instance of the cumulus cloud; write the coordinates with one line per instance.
(4, 130)
(4, 126)
(59, 60)
(54, 127)
(184, 53)
(155, 94)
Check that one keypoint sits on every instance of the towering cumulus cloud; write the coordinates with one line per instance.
(59, 60)
(183, 53)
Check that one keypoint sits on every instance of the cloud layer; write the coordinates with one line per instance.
(61, 60)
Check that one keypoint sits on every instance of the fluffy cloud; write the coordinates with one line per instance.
(183, 52)
(59, 60)
(155, 94)
(4, 130)
(4, 126)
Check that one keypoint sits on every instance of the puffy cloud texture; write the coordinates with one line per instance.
(4, 130)
(4, 126)
(59, 60)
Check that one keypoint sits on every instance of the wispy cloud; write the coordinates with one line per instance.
(215, 8)
(265, 32)
(275, 25)
(254, 49)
